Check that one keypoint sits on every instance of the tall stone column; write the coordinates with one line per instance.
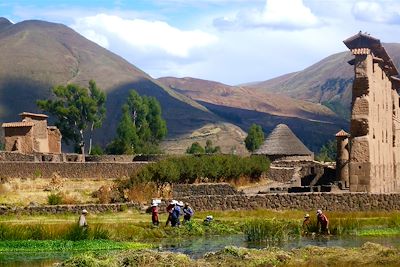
(342, 159)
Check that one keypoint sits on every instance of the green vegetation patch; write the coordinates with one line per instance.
(67, 245)
(212, 168)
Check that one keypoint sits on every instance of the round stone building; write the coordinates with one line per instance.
(283, 144)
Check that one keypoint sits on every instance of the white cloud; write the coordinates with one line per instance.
(277, 14)
(387, 12)
(142, 35)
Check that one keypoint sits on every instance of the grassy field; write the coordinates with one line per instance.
(132, 225)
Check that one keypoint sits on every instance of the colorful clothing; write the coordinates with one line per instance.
(154, 215)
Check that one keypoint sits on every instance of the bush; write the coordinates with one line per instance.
(191, 169)
(97, 150)
(55, 199)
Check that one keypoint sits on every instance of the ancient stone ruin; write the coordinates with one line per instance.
(369, 159)
(32, 135)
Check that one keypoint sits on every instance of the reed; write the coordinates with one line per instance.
(271, 230)
(52, 232)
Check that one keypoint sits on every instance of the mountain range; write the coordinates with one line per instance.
(326, 82)
(37, 55)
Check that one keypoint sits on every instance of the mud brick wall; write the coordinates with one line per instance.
(72, 170)
(303, 201)
(187, 190)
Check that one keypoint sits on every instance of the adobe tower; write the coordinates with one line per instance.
(374, 158)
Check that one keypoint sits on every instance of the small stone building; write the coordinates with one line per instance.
(32, 135)
(283, 144)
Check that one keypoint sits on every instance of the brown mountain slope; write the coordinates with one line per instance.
(36, 55)
(327, 82)
(244, 98)
(313, 123)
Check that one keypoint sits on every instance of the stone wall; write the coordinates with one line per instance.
(15, 156)
(304, 201)
(109, 158)
(71, 170)
(91, 208)
(186, 190)
(281, 174)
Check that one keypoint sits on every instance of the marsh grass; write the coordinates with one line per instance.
(271, 230)
(52, 232)
(67, 245)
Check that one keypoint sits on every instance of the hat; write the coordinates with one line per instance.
(209, 217)
(173, 202)
(154, 205)
(84, 211)
(180, 203)
(319, 211)
(307, 215)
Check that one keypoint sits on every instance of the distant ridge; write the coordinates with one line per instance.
(327, 82)
(36, 55)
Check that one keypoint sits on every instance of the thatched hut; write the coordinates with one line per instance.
(283, 144)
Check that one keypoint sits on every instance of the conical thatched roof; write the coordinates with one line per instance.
(282, 141)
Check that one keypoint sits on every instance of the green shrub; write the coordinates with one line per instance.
(97, 150)
(55, 199)
(189, 169)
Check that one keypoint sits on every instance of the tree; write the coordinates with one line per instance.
(99, 97)
(127, 138)
(195, 148)
(76, 109)
(141, 127)
(210, 149)
(255, 138)
(328, 152)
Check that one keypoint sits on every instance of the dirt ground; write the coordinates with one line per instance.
(35, 191)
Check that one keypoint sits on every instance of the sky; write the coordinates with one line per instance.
(230, 41)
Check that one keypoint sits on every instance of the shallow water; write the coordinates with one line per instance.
(197, 247)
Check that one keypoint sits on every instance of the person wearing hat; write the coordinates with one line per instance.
(154, 214)
(323, 222)
(170, 209)
(82, 219)
(306, 224)
(176, 213)
(187, 213)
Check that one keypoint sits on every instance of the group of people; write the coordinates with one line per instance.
(322, 223)
(175, 210)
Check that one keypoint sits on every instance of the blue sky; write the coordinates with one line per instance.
(231, 41)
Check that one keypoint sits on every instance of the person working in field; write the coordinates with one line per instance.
(187, 213)
(323, 222)
(82, 219)
(170, 209)
(154, 214)
(306, 225)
